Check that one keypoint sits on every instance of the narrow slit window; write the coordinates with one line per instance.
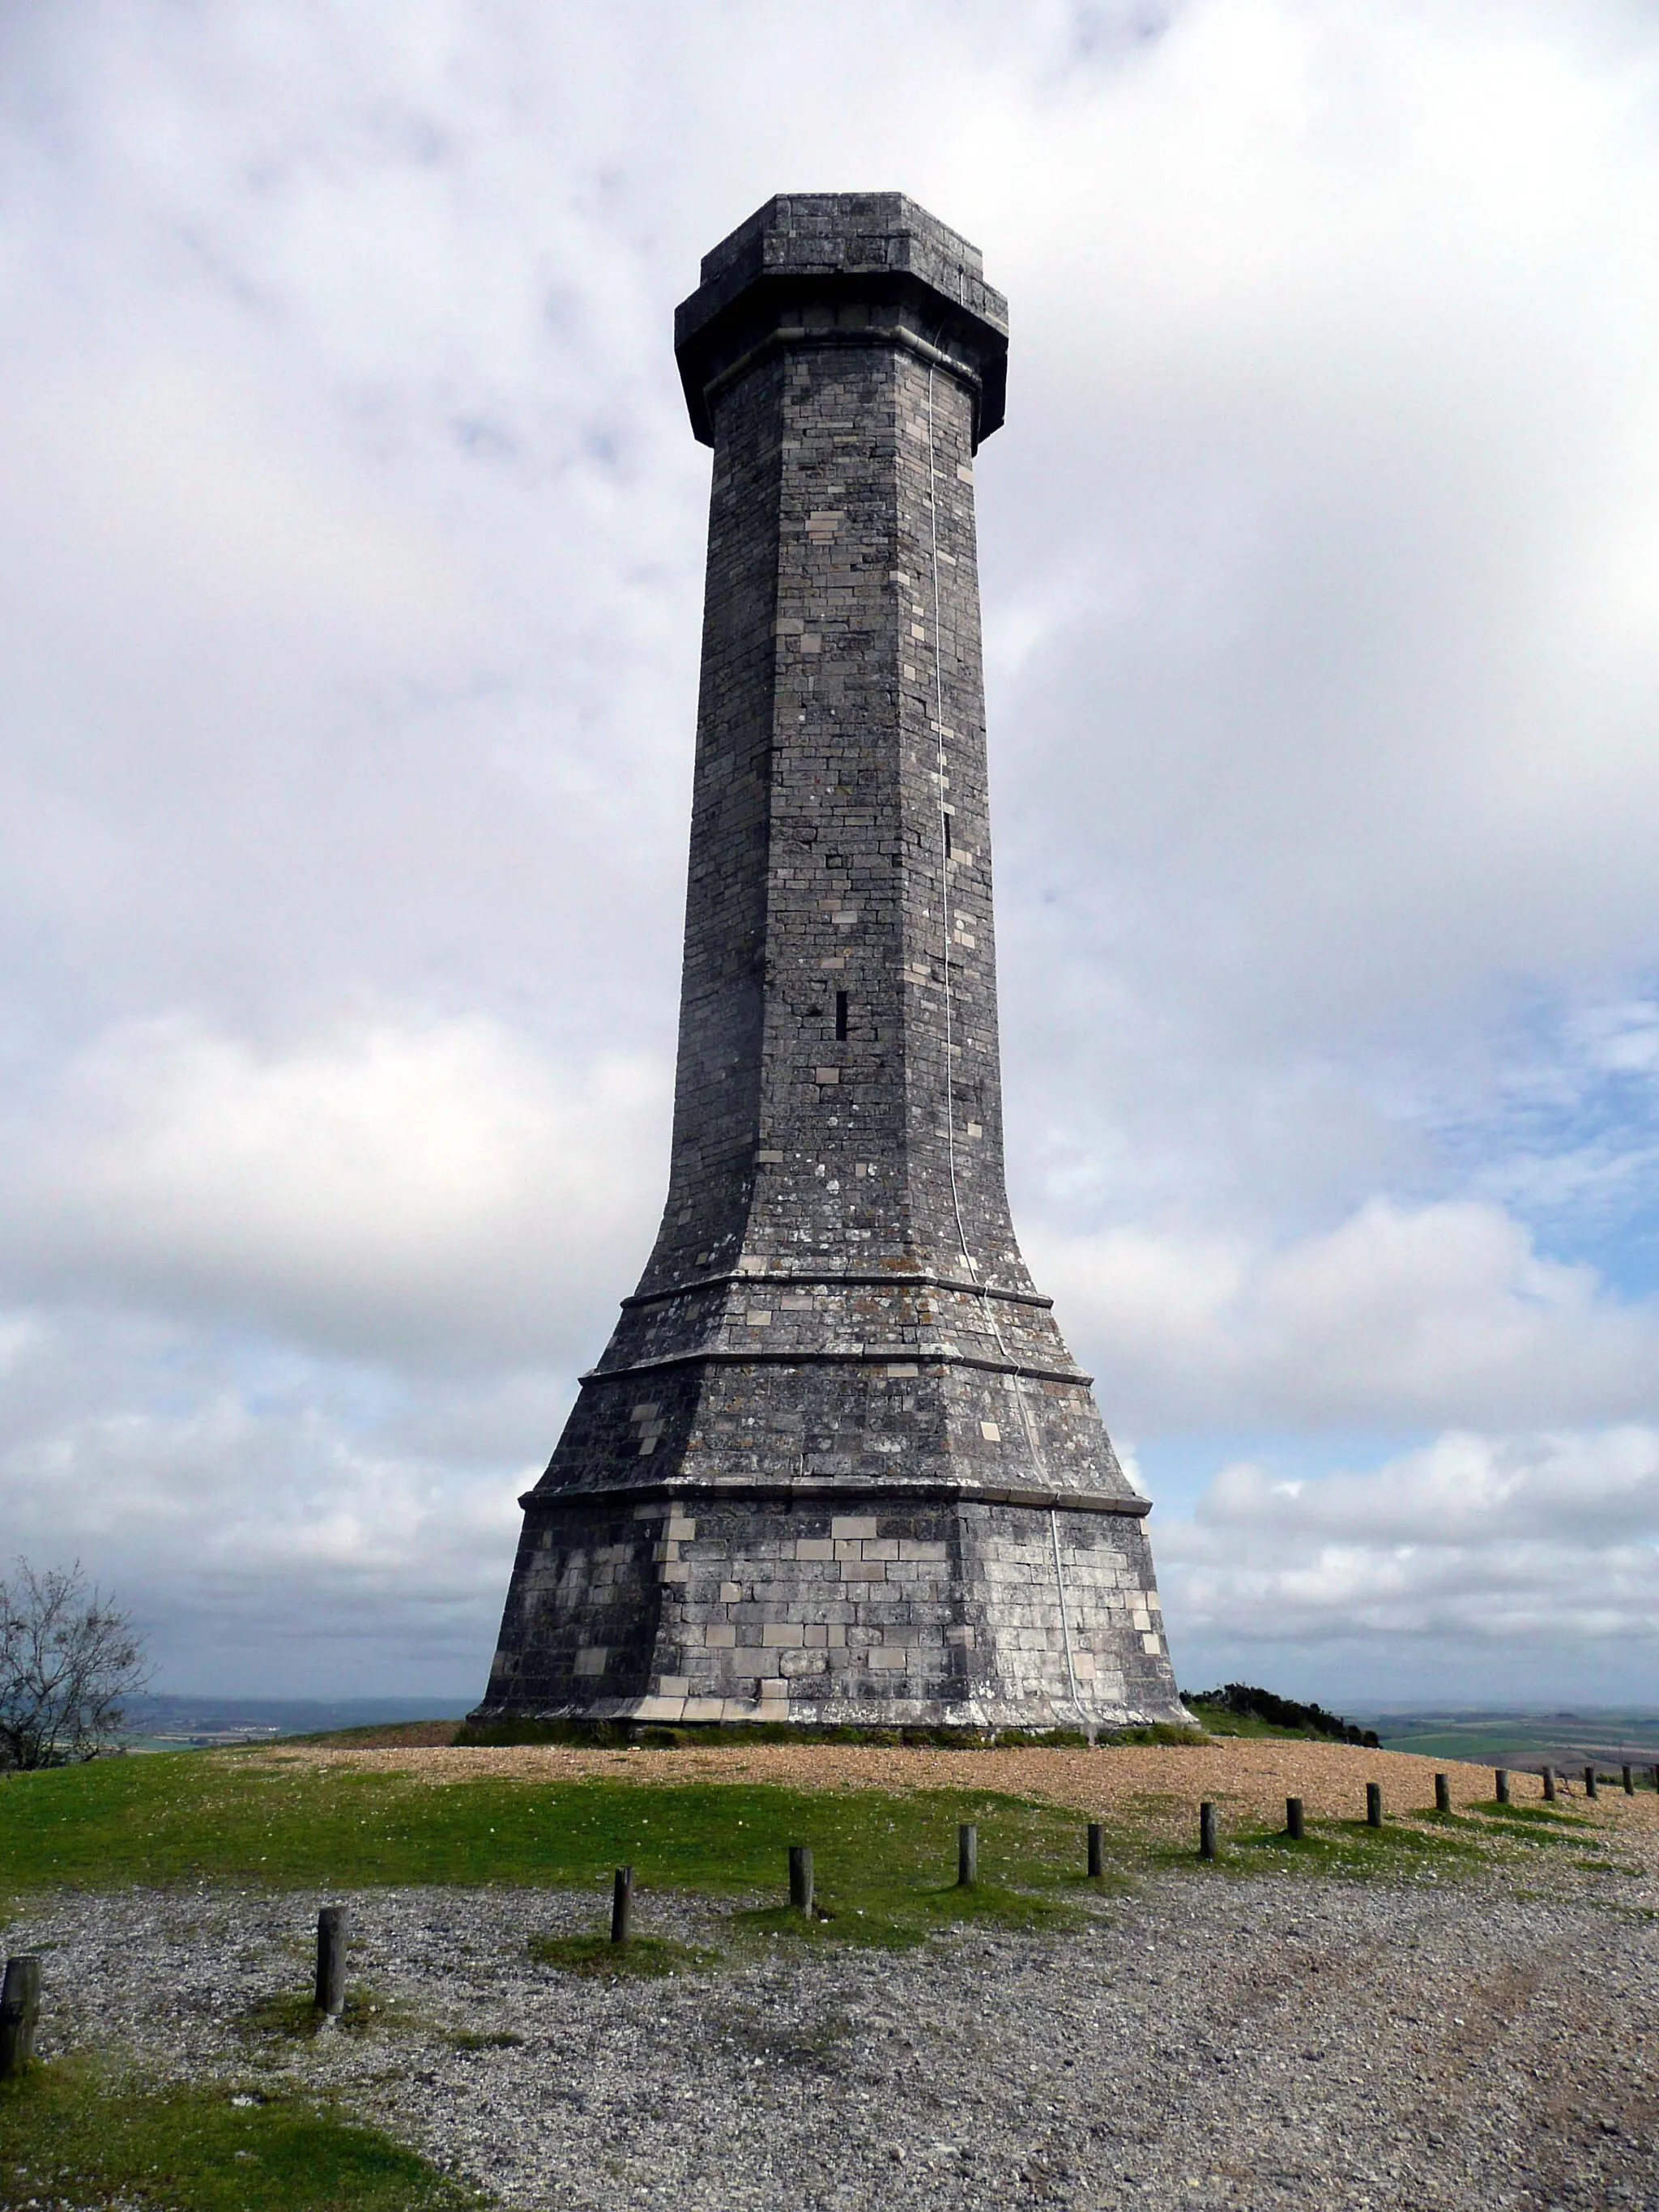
(946, 820)
(840, 1016)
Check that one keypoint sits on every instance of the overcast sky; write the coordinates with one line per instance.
(349, 591)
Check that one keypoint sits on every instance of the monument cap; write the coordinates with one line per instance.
(846, 267)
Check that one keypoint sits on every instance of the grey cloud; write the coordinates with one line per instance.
(271, 1518)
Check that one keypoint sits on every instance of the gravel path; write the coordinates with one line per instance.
(1209, 2041)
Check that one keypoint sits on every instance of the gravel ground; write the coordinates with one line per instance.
(1245, 1775)
(1210, 2041)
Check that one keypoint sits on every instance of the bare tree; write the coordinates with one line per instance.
(67, 1660)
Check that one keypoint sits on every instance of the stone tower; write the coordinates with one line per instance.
(836, 1464)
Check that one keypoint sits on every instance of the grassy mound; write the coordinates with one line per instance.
(74, 2136)
(596, 1958)
(171, 1819)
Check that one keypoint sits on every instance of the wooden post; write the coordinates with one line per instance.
(1294, 1825)
(1654, 1770)
(1373, 1804)
(1443, 1793)
(1549, 1786)
(331, 1924)
(621, 1905)
(1502, 1775)
(1589, 1782)
(967, 1855)
(1629, 1781)
(1207, 1829)
(1097, 1850)
(20, 2009)
(800, 1878)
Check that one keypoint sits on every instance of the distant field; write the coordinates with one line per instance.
(1607, 1737)
(174, 1722)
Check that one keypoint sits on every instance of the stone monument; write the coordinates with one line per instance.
(836, 1464)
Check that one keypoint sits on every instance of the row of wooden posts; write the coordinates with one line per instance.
(1296, 1829)
(20, 1995)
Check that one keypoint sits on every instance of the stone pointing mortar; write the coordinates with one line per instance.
(837, 1463)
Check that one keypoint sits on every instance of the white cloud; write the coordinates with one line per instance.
(1398, 1317)
(1550, 1541)
(391, 1185)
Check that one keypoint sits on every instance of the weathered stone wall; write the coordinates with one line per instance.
(836, 1320)
(919, 1612)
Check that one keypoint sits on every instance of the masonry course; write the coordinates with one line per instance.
(836, 1463)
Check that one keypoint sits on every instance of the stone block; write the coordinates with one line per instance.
(662, 1709)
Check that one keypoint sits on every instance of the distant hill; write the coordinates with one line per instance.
(172, 1722)
(1610, 1735)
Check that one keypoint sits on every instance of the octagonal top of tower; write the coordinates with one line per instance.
(843, 254)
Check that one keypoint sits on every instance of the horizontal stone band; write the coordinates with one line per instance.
(780, 1280)
(897, 1355)
(873, 1495)
(840, 334)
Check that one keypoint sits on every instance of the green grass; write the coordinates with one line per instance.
(642, 1957)
(1353, 1850)
(232, 1821)
(891, 1915)
(1533, 1823)
(294, 2013)
(1216, 1720)
(71, 2135)
(883, 1861)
